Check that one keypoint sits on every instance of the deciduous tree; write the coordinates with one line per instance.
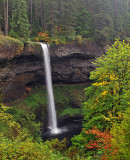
(109, 93)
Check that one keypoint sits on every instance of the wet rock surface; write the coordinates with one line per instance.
(70, 64)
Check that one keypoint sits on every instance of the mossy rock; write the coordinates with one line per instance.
(10, 47)
(32, 48)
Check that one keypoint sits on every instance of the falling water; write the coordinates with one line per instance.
(52, 120)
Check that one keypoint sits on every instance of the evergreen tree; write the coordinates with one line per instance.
(59, 17)
(70, 15)
(84, 23)
(121, 17)
(101, 19)
(20, 25)
(128, 19)
(117, 17)
(103, 27)
(50, 15)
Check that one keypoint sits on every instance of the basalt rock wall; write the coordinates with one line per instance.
(21, 65)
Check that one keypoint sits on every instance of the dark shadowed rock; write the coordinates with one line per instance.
(21, 65)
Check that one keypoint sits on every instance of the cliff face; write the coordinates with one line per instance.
(21, 64)
(73, 63)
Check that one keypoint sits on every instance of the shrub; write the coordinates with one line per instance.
(58, 145)
(58, 40)
(43, 37)
(121, 137)
(102, 141)
(79, 39)
(10, 128)
(27, 150)
(17, 143)
(71, 111)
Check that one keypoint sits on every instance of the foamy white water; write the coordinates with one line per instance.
(52, 119)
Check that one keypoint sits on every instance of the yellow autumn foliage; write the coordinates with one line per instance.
(104, 93)
(101, 83)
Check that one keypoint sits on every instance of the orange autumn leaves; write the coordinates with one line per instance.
(42, 37)
(102, 141)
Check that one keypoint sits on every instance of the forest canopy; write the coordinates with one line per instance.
(99, 20)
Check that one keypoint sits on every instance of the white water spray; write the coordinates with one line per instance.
(52, 119)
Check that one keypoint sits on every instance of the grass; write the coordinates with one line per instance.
(70, 111)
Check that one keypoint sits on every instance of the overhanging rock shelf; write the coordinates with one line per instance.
(21, 65)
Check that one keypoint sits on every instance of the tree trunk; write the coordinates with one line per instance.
(41, 13)
(6, 16)
(31, 15)
(0, 15)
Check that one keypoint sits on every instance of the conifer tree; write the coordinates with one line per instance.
(84, 23)
(101, 20)
(128, 19)
(20, 25)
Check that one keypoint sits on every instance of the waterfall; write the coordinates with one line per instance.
(52, 119)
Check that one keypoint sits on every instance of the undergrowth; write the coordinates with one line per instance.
(31, 112)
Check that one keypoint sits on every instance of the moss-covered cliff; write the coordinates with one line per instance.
(11, 47)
